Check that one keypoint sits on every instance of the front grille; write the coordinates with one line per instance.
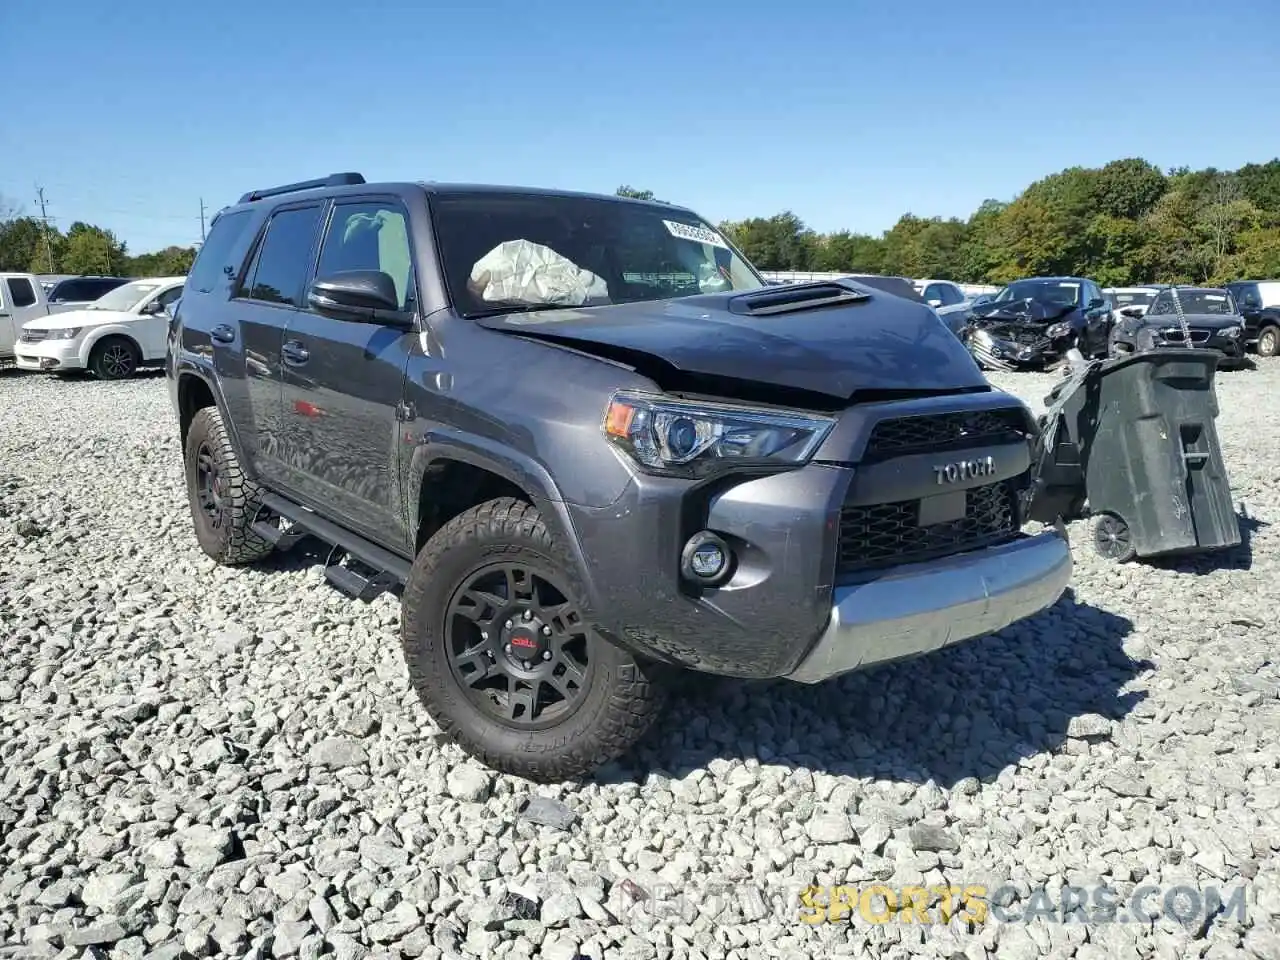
(929, 433)
(1025, 338)
(1174, 335)
(33, 336)
(887, 534)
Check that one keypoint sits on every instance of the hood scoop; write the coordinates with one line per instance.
(795, 297)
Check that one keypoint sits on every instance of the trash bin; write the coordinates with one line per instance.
(1134, 438)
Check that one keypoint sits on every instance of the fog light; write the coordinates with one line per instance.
(47, 363)
(705, 558)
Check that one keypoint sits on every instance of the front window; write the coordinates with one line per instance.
(1049, 293)
(124, 298)
(1199, 302)
(527, 251)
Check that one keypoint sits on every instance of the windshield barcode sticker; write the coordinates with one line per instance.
(697, 234)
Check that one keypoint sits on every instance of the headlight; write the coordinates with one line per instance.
(1058, 330)
(1233, 332)
(686, 439)
(63, 333)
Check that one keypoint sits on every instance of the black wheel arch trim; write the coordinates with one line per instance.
(187, 367)
(441, 443)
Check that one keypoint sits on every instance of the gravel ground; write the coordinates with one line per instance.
(199, 762)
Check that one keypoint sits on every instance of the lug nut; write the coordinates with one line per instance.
(508, 624)
(546, 631)
(528, 614)
(484, 634)
(546, 654)
(508, 648)
(526, 664)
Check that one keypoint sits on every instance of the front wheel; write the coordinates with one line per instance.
(501, 654)
(114, 358)
(1269, 341)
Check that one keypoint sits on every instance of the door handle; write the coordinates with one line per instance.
(294, 352)
(223, 333)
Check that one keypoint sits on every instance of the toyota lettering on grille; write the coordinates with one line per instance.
(964, 470)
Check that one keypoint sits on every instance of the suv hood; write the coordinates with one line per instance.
(79, 318)
(833, 338)
(1021, 311)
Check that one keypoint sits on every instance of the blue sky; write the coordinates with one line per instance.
(847, 113)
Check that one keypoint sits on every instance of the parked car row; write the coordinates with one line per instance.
(110, 326)
(1032, 323)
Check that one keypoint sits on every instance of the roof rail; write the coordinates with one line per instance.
(333, 180)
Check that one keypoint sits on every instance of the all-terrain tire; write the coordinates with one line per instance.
(1269, 341)
(114, 358)
(620, 700)
(228, 539)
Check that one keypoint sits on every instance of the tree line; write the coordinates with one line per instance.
(1127, 222)
(28, 246)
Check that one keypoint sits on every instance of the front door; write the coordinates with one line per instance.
(343, 380)
(18, 305)
(153, 328)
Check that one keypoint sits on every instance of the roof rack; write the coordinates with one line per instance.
(333, 180)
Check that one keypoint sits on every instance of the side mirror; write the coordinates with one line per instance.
(1131, 312)
(365, 296)
(934, 302)
(152, 309)
(1095, 303)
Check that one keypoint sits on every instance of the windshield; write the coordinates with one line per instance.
(529, 251)
(1194, 301)
(1141, 298)
(1049, 293)
(123, 298)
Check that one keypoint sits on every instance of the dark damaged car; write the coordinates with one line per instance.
(592, 447)
(1032, 323)
(1205, 317)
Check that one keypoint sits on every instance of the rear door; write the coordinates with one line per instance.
(343, 380)
(268, 294)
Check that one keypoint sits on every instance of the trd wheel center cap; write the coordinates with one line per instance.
(526, 644)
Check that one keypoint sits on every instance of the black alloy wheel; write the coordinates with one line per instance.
(517, 646)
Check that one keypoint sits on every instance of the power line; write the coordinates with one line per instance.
(44, 218)
(202, 219)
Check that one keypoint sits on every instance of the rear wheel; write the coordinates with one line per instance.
(114, 358)
(223, 500)
(501, 654)
(1269, 341)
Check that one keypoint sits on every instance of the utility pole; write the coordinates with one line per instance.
(202, 221)
(44, 218)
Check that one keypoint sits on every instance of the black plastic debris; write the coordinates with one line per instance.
(1134, 441)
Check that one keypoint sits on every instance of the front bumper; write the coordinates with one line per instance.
(920, 608)
(48, 355)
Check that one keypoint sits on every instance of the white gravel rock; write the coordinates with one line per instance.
(205, 762)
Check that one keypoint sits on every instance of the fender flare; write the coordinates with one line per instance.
(442, 443)
(186, 367)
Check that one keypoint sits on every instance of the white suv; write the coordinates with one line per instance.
(113, 336)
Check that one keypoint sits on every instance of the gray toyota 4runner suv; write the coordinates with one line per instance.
(592, 445)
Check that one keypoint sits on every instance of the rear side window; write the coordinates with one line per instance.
(21, 293)
(214, 259)
(283, 258)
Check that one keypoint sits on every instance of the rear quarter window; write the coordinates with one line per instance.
(220, 257)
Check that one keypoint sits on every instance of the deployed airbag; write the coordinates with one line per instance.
(520, 271)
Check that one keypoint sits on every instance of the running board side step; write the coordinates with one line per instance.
(383, 569)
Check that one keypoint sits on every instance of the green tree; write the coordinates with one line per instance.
(631, 192)
(22, 246)
(91, 249)
(780, 242)
(172, 261)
